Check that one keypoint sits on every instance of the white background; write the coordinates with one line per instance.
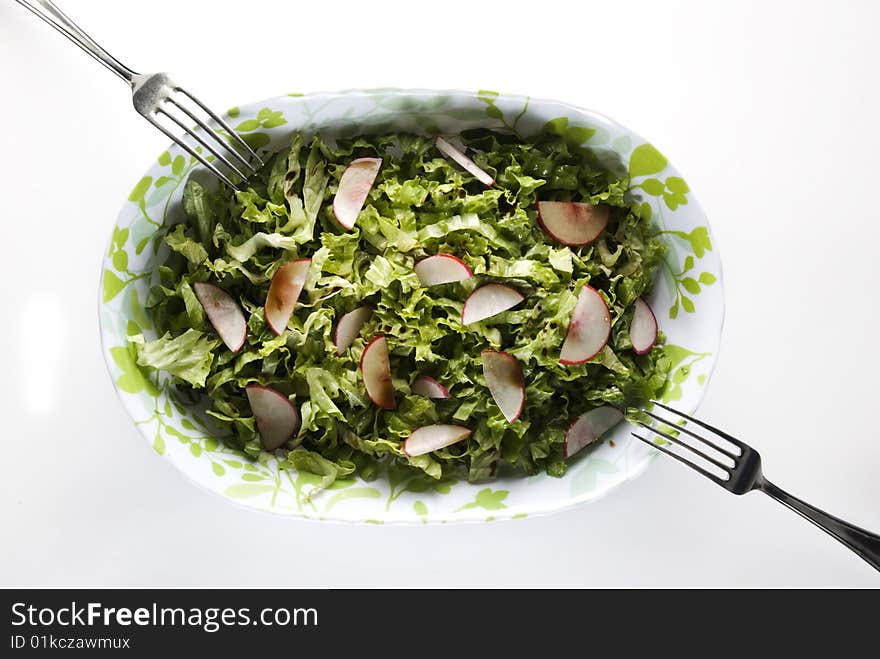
(771, 111)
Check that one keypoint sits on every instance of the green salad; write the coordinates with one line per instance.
(461, 307)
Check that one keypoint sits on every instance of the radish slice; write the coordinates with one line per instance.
(487, 301)
(376, 371)
(643, 328)
(589, 427)
(442, 269)
(349, 326)
(572, 223)
(588, 330)
(429, 388)
(354, 186)
(277, 419)
(224, 313)
(448, 150)
(287, 284)
(505, 379)
(430, 438)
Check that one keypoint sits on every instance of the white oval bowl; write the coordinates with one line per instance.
(688, 300)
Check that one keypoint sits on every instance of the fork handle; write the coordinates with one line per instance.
(862, 542)
(46, 10)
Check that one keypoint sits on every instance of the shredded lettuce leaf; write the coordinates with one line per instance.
(420, 204)
(188, 356)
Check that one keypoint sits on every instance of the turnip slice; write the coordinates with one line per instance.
(488, 301)
(643, 328)
(430, 438)
(349, 326)
(589, 427)
(376, 371)
(442, 269)
(224, 313)
(287, 284)
(354, 186)
(277, 419)
(572, 223)
(428, 387)
(588, 330)
(448, 150)
(505, 379)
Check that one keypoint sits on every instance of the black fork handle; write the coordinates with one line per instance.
(862, 542)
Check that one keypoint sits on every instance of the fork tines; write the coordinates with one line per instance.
(714, 458)
(182, 109)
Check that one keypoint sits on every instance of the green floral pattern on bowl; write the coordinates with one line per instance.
(688, 300)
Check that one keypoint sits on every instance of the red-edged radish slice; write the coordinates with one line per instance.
(505, 379)
(643, 328)
(430, 438)
(287, 284)
(428, 387)
(487, 301)
(442, 269)
(224, 313)
(588, 330)
(354, 186)
(349, 326)
(448, 150)
(572, 223)
(277, 418)
(589, 427)
(376, 371)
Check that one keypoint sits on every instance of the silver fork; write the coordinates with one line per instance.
(736, 467)
(156, 96)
